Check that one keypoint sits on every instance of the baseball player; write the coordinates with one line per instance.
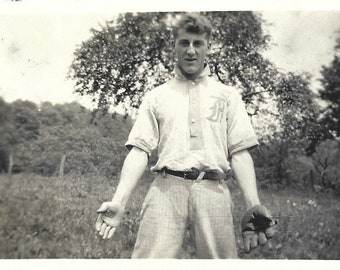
(201, 131)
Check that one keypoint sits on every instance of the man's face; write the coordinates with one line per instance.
(191, 50)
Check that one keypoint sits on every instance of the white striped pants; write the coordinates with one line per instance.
(172, 205)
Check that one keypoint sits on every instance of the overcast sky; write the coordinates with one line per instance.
(36, 49)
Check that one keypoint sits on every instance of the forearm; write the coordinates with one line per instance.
(133, 168)
(243, 168)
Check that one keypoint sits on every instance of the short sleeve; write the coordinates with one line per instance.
(145, 131)
(240, 133)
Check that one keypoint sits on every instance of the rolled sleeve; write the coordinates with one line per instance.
(145, 132)
(240, 133)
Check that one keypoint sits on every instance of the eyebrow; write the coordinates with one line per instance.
(183, 41)
(199, 41)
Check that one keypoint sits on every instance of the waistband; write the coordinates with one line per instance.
(194, 174)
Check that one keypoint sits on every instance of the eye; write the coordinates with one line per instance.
(199, 43)
(183, 42)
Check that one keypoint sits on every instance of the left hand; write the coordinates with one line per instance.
(257, 227)
(110, 215)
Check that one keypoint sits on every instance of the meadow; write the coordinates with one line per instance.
(51, 217)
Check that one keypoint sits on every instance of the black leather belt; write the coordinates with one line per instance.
(193, 175)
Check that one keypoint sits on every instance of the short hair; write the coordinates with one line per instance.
(193, 23)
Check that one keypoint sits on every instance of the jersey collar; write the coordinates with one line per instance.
(179, 75)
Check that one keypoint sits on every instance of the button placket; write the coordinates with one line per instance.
(194, 118)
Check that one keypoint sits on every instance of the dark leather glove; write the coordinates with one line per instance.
(257, 227)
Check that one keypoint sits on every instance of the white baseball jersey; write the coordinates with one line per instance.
(192, 124)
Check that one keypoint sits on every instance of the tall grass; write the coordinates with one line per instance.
(44, 217)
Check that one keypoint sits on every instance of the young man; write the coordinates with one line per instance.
(195, 123)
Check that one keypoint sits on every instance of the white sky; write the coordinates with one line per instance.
(36, 51)
(36, 46)
(302, 40)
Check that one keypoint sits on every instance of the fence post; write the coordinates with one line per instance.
(10, 163)
(62, 163)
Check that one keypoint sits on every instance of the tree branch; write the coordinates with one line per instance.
(217, 73)
(255, 93)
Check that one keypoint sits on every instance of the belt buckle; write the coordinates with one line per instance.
(190, 175)
(185, 175)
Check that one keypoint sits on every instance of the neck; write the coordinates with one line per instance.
(191, 77)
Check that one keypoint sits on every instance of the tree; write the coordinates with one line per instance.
(74, 140)
(26, 129)
(291, 134)
(19, 127)
(25, 119)
(297, 106)
(331, 94)
(326, 161)
(6, 130)
(133, 54)
(57, 139)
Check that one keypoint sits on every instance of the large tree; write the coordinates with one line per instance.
(331, 94)
(132, 54)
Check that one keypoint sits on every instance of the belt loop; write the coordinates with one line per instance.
(200, 177)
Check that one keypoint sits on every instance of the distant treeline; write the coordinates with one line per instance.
(60, 139)
(53, 140)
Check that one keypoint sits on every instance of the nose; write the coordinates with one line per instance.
(191, 50)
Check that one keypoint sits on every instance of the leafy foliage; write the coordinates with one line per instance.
(118, 61)
(290, 135)
(133, 54)
(326, 163)
(18, 122)
(6, 129)
(38, 138)
(331, 94)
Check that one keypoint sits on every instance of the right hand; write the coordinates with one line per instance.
(110, 215)
(257, 227)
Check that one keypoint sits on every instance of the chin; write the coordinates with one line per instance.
(190, 71)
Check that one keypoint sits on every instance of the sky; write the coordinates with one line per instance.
(36, 47)
(36, 52)
(302, 41)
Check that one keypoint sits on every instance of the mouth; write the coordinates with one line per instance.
(190, 60)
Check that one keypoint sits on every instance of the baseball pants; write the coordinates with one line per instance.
(174, 204)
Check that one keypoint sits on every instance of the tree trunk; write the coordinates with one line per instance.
(62, 163)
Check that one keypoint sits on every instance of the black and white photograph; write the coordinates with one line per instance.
(186, 132)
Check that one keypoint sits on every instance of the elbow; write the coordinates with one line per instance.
(243, 154)
(241, 161)
(138, 155)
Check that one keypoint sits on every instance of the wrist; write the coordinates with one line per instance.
(252, 203)
(120, 199)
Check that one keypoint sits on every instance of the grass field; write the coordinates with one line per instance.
(54, 218)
